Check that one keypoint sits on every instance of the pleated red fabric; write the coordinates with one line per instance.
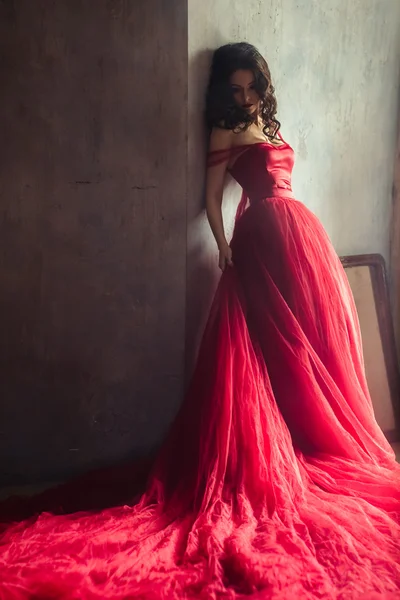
(275, 481)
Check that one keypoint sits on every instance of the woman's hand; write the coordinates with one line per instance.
(225, 257)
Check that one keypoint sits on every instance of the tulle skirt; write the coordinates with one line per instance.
(275, 481)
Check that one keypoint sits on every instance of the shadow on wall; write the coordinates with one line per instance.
(64, 424)
(202, 254)
(42, 431)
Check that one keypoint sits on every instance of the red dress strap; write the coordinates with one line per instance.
(216, 157)
(278, 133)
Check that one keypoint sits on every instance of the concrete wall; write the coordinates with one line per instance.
(335, 67)
(92, 231)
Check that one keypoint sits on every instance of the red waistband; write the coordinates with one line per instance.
(275, 192)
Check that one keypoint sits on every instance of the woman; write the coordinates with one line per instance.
(275, 480)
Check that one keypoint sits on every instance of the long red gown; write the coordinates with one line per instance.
(275, 481)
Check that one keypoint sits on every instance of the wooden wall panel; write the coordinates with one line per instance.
(92, 231)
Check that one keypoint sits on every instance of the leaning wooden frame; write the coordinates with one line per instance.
(369, 283)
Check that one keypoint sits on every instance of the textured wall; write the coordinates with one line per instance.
(335, 66)
(92, 230)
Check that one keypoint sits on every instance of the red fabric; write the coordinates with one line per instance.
(275, 481)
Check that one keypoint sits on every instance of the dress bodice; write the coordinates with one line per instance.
(264, 170)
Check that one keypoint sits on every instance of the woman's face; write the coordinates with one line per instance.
(242, 83)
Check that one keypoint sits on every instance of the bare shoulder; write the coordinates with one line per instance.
(221, 139)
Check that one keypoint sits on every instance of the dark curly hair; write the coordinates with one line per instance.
(221, 108)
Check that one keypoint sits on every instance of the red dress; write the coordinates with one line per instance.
(275, 482)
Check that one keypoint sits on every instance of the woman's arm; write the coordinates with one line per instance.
(221, 139)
